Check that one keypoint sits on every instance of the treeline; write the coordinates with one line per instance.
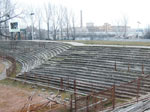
(55, 20)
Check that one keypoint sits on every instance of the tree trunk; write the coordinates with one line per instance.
(48, 30)
(54, 36)
(40, 31)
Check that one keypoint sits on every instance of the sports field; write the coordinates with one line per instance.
(130, 43)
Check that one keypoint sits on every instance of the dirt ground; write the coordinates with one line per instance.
(14, 96)
(13, 99)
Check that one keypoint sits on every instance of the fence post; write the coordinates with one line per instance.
(49, 81)
(71, 103)
(142, 68)
(87, 104)
(138, 88)
(61, 83)
(25, 75)
(74, 86)
(115, 66)
(68, 83)
(75, 99)
(113, 96)
(7, 72)
(24, 78)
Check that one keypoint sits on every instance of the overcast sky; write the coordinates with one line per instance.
(101, 11)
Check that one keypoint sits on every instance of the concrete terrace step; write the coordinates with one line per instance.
(87, 64)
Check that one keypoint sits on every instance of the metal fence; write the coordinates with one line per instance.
(107, 99)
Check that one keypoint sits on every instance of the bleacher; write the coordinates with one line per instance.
(95, 68)
(31, 54)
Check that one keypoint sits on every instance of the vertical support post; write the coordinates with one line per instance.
(7, 72)
(61, 83)
(49, 81)
(138, 88)
(75, 98)
(115, 66)
(87, 104)
(142, 68)
(71, 103)
(113, 96)
(74, 87)
(25, 75)
(68, 83)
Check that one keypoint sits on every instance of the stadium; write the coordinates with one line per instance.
(97, 77)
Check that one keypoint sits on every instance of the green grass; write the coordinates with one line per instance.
(29, 87)
(18, 69)
(103, 42)
(16, 84)
(116, 43)
(2, 66)
(57, 58)
(64, 95)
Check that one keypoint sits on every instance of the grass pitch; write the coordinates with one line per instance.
(103, 42)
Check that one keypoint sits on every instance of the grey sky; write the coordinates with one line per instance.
(101, 11)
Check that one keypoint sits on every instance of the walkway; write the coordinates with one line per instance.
(3, 66)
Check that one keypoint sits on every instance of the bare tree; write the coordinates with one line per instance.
(73, 28)
(7, 12)
(147, 32)
(66, 20)
(118, 28)
(48, 15)
(125, 23)
(61, 21)
(39, 21)
(55, 21)
(67, 23)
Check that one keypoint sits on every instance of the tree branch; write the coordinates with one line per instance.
(2, 21)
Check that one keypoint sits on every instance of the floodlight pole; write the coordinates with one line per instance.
(32, 24)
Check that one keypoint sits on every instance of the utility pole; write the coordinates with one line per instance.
(81, 24)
